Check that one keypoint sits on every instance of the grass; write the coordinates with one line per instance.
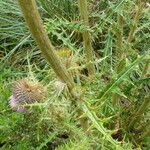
(116, 97)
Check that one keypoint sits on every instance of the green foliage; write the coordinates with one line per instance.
(80, 144)
(113, 98)
(64, 8)
(12, 26)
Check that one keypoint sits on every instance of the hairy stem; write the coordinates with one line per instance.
(34, 22)
(146, 131)
(138, 114)
(136, 20)
(119, 36)
(145, 69)
(86, 35)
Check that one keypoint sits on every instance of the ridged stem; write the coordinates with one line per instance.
(136, 20)
(119, 35)
(83, 7)
(145, 69)
(146, 131)
(34, 22)
(138, 114)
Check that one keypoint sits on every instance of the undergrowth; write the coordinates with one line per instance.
(116, 97)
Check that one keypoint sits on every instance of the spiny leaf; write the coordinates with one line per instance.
(119, 79)
(99, 126)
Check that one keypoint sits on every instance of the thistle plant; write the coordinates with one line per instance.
(110, 110)
(49, 53)
(26, 91)
(83, 6)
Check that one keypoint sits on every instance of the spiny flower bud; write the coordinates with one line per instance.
(26, 91)
(59, 86)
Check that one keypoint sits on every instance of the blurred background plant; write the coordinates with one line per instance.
(118, 94)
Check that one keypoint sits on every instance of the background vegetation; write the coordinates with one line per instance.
(117, 95)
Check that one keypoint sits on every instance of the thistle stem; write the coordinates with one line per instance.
(146, 131)
(34, 22)
(146, 67)
(119, 36)
(137, 115)
(135, 20)
(86, 36)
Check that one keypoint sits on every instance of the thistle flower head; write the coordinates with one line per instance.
(26, 91)
(64, 52)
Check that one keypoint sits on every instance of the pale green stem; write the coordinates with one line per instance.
(119, 36)
(145, 69)
(138, 114)
(146, 131)
(34, 22)
(136, 20)
(86, 35)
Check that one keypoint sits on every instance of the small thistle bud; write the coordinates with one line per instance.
(59, 86)
(26, 91)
